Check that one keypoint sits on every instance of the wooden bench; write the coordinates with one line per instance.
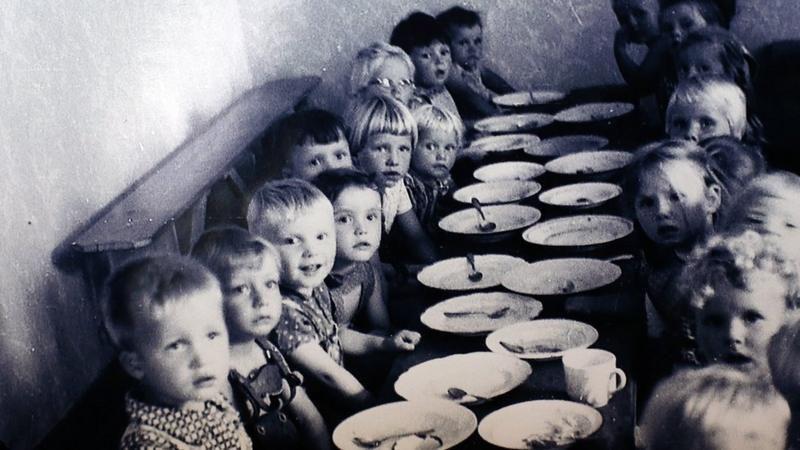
(165, 209)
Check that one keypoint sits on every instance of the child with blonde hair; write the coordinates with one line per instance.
(715, 408)
(707, 106)
(382, 69)
(165, 316)
(745, 287)
(268, 394)
(297, 219)
(383, 135)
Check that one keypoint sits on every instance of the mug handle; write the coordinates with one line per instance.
(616, 380)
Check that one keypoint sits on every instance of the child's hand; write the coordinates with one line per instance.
(403, 340)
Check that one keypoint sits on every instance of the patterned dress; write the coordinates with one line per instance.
(216, 426)
(426, 199)
(362, 275)
(308, 319)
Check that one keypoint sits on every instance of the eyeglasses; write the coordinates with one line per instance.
(386, 83)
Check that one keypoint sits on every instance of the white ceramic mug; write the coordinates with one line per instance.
(592, 375)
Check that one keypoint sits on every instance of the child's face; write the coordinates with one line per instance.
(435, 154)
(393, 78)
(253, 299)
(772, 216)
(639, 19)
(673, 205)
(357, 214)
(309, 160)
(735, 325)
(695, 121)
(679, 20)
(307, 245)
(432, 64)
(387, 157)
(701, 58)
(182, 354)
(467, 46)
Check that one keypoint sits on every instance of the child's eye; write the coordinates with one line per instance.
(372, 216)
(790, 225)
(752, 317)
(341, 156)
(674, 197)
(679, 124)
(450, 148)
(344, 219)
(754, 220)
(445, 52)
(213, 335)
(707, 122)
(316, 162)
(478, 41)
(290, 241)
(431, 146)
(463, 42)
(272, 284)
(241, 289)
(322, 236)
(645, 202)
(404, 148)
(175, 346)
(425, 55)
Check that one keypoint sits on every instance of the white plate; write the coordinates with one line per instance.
(585, 163)
(565, 145)
(540, 424)
(482, 375)
(576, 231)
(561, 276)
(507, 217)
(509, 170)
(493, 192)
(526, 98)
(593, 112)
(453, 274)
(447, 421)
(581, 195)
(513, 123)
(541, 339)
(501, 143)
(448, 316)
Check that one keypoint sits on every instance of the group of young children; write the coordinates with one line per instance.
(247, 341)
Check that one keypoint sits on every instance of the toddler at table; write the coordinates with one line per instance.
(382, 69)
(268, 394)
(745, 287)
(297, 219)
(472, 83)
(383, 134)
(707, 106)
(441, 137)
(423, 39)
(165, 316)
(715, 408)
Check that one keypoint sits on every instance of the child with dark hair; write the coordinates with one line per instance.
(471, 82)
(422, 37)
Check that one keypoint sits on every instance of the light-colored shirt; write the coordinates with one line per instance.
(395, 201)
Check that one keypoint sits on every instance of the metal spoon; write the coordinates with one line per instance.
(484, 225)
(474, 275)
(458, 394)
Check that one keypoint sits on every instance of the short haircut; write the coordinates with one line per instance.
(733, 257)
(369, 59)
(380, 115)
(707, 9)
(734, 56)
(225, 250)
(418, 30)
(716, 90)
(692, 406)
(311, 126)
(278, 202)
(333, 182)
(458, 17)
(779, 184)
(432, 117)
(149, 285)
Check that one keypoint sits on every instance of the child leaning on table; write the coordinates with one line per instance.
(471, 82)
(297, 219)
(383, 135)
(422, 37)
(707, 106)
(715, 408)
(441, 137)
(268, 394)
(165, 315)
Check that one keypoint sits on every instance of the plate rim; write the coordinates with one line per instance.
(539, 167)
(566, 187)
(441, 261)
(494, 232)
(540, 356)
(528, 299)
(629, 105)
(583, 154)
(607, 217)
(535, 188)
(567, 137)
(615, 268)
(546, 118)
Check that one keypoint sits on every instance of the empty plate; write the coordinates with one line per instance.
(541, 339)
(507, 217)
(454, 274)
(580, 195)
(480, 313)
(502, 143)
(526, 98)
(540, 424)
(577, 231)
(497, 191)
(593, 112)
(584, 163)
(565, 145)
(418, 424)
(512, 123)
(561, 276)
(510, 170)
(490, 375)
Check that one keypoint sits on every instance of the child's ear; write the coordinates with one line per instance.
(713, 198)
(131, 363)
